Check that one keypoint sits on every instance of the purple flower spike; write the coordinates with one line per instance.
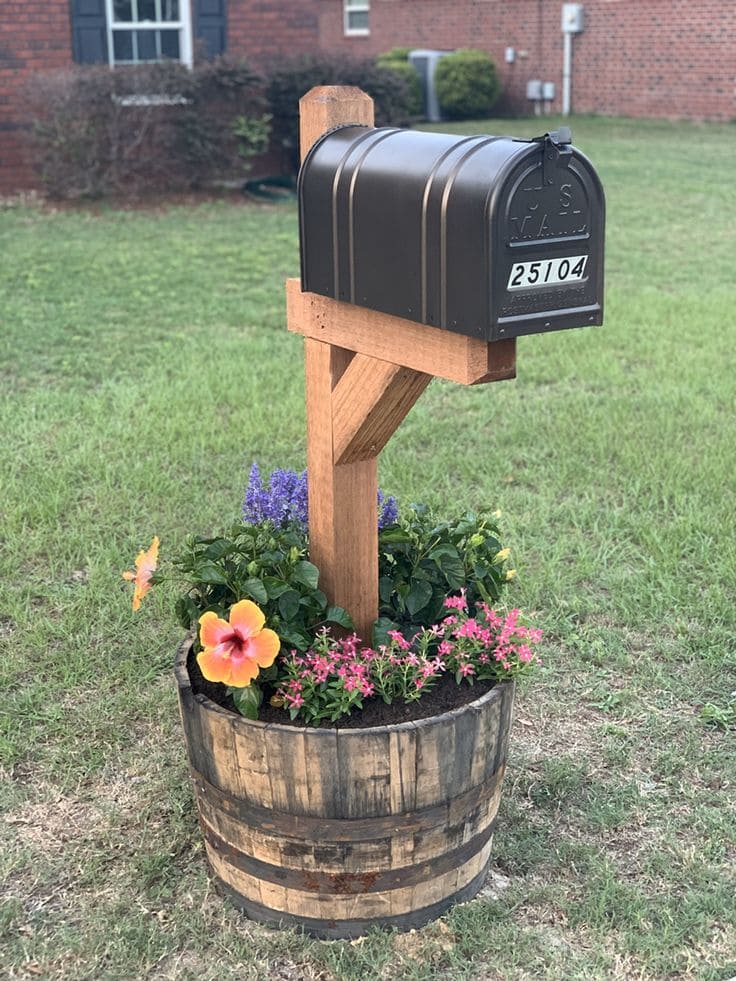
(388, 511)
(285, 499)
(254, 494)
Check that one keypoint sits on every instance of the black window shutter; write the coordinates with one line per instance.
(210, 26)
(89, 31)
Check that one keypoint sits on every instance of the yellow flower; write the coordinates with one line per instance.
(497, 514)
(511, 574)
(145, 564)
(502, 555)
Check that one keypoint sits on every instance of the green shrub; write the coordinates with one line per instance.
(260, 562)
(397, 60)
(145, 128)
(292, 79)
(421, 561)
(467, 84)
(395, 54)
(222, 125)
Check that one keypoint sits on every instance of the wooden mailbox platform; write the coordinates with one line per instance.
(364, 372)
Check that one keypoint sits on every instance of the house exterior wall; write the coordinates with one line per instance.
(35, 35)
(646, 58)
(266, 32)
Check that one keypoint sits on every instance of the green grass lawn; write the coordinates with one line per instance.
(145, 363)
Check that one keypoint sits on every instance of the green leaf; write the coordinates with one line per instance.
(292, 636)
(289, 604)
(435, 609)
(450, 564)
(306, 574)
(380, 631)
(444, 553)
(256, 590)
(211, 574)
(270, 673)
(218, 548)
(385, 588)
(418, 597)
(336, 614)
(187, 612)
(394, 536)
(275, 587)
(248, 700)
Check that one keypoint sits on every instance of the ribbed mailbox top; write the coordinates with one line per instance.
(483, 235)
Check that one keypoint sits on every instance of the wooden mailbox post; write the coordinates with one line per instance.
(364, 372)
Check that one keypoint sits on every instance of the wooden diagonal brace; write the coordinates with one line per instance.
(369, 403)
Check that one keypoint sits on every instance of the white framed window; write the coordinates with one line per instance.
(356, 17)
(148, 30)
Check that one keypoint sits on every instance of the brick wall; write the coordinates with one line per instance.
(35, 35)
(266, 31)
(667, 58)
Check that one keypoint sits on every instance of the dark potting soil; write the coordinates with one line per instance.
(445, 696)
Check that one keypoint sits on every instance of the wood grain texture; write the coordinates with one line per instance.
(341, 830)
(501, 362)
(337, 905)
(342, 881)
(429, 350)
(420, 822)
(329, 929)
(369, 403)
(327, 106)
(364, 772)
(254, 760)
(343, 529)
(342, 498)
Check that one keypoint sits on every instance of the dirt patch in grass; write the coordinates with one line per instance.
(49, 827)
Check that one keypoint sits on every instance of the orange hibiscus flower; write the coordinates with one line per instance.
(234, 652)
(145, 565)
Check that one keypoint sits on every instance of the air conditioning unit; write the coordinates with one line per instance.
(425, 61)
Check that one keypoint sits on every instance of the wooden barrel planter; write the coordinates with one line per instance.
(336, 831)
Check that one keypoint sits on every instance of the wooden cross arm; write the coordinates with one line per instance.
(428, 350)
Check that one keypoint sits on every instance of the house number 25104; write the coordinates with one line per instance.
(547, 272)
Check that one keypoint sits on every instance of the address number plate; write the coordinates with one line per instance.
(547, 272)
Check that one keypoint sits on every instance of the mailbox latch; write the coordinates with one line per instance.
(556, 144)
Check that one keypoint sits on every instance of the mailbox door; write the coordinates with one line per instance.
(547, 227)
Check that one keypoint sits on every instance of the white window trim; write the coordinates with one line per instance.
(183, 25)
(351, 7)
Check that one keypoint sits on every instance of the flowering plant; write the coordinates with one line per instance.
(253, 599)
(421, 561)
(334, 676)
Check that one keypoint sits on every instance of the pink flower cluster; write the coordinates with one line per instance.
(486, 645)
(336, 674)
(333, 674)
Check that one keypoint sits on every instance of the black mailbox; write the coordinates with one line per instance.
(487, 236)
